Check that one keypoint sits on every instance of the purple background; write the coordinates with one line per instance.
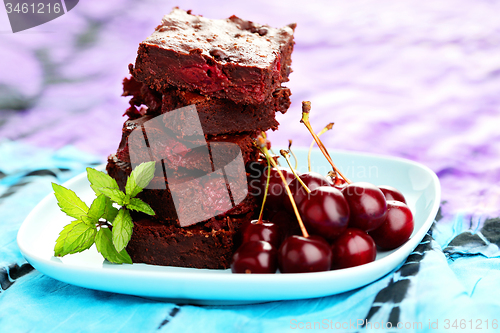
(415, 79)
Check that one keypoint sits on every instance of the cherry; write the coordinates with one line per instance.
(254, 171)
(264, 231)
(312, 180)
(367, 205)
(299, 254)
(276, 190)
(392, 193)
(353, 248)
(254, 257)
(325, 212)
(286, 222)
(397, 227)
(339, 184)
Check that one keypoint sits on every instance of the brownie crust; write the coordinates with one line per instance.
(232, 59)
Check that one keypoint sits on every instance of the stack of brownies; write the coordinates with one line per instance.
(202, 90)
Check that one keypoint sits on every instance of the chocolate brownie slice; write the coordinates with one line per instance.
(217, 116)
(222, 116)
(187, 200)
(231, 58)
(185, 154)
(205, 245)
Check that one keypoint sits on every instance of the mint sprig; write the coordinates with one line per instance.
(139, 179)
(105, 225)
(104, 245)
(75, 237)
(122, 229)
(69, 202)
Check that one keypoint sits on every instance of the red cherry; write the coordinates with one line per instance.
(397, 227)
(392, 193)
(325, 212)
(313, 180)
(254, 169)
(339, 184)
(287, 223)
(299, 254)
(265, 231)
(254, 257)
(353, 248)
(367, 205)
(276, 190)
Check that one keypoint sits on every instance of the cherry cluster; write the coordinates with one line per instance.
(316, 223)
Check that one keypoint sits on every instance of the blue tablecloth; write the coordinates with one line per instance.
(413, 79)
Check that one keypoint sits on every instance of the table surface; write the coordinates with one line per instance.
(413, 79)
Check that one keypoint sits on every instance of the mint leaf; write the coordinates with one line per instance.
(110, 212)
(100, 179)
(122, 229)
(97, 208)
(88, 221)
(69, 202)
(75, 237)
(114, 194)
(104, 244)
(140, 178)
(140, 206)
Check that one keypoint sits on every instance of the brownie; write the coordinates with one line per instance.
(195, 199)
(141, 95)
(204, 245)
(232, 58)
(181, 155)
(198, 200)
(222, 116)
(217, 116)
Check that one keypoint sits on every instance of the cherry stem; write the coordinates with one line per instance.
(284, 153)
(264, 135)
(323, 131)
(306, 108)
(294, 157)
(334, 176)
(272, 152)
(263, 147)
(259, 221)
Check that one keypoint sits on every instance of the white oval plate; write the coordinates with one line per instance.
(37, 236)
